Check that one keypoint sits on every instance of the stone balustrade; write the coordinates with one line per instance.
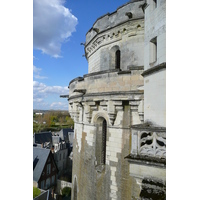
(149, 142)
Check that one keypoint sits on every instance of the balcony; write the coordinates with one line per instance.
(148, 145)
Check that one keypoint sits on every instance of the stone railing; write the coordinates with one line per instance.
(152, 144)
(149, 142)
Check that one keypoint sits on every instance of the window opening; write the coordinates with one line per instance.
(101, 142)
(117, 59)
(154, 4)
(104, 129)
(153, 50)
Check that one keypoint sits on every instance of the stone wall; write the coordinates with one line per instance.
(127, 37)
(155, 26)
(155, 72)
(111, 20)
(112, 180)
(117, 96)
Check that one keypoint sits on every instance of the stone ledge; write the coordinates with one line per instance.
(133, 67)
(148, 127)
(103, 94)
(124, 72)
(146, 160)
(101, 72)
(154, 69)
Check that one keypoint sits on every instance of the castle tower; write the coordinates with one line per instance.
(148, 147)
(106, 103)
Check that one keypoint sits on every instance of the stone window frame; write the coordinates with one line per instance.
(153, 50)
(98, 118)
(115, 57)
(155, 4)
(101, 139)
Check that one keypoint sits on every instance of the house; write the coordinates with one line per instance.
(67, 134)
(62, 143)
(43, 138)
(45, 171)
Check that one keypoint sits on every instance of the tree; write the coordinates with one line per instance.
(70, 121)
(66, 192)
(36, 192)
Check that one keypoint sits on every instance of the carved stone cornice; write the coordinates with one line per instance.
(114, 34)
(133, 93)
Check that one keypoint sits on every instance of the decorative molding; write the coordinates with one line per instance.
(115, 93)
(152, 144)
(110, 28)
(113, 36)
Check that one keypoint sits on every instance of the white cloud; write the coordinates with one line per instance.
(53, 24)
(35, 69)
(48, 97)
(36, 73)
(58, 105)
(39, 77)
(42, 89)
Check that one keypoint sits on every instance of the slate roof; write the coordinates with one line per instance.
(42, 137)
(64, 134)
(40, 156)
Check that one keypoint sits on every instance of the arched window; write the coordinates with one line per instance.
(104, 133)
(101, 141)
(117, 59)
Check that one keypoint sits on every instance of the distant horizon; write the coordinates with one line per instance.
(49, 110)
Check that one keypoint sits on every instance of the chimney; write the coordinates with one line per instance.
(52, 149)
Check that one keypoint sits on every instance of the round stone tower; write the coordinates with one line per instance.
(105, 103)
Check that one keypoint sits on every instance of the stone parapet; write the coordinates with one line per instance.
(108, 81)
(108, 21)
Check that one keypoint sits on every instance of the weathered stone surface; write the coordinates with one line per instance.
(109, 107)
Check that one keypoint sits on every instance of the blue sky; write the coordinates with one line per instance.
(58, 29)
